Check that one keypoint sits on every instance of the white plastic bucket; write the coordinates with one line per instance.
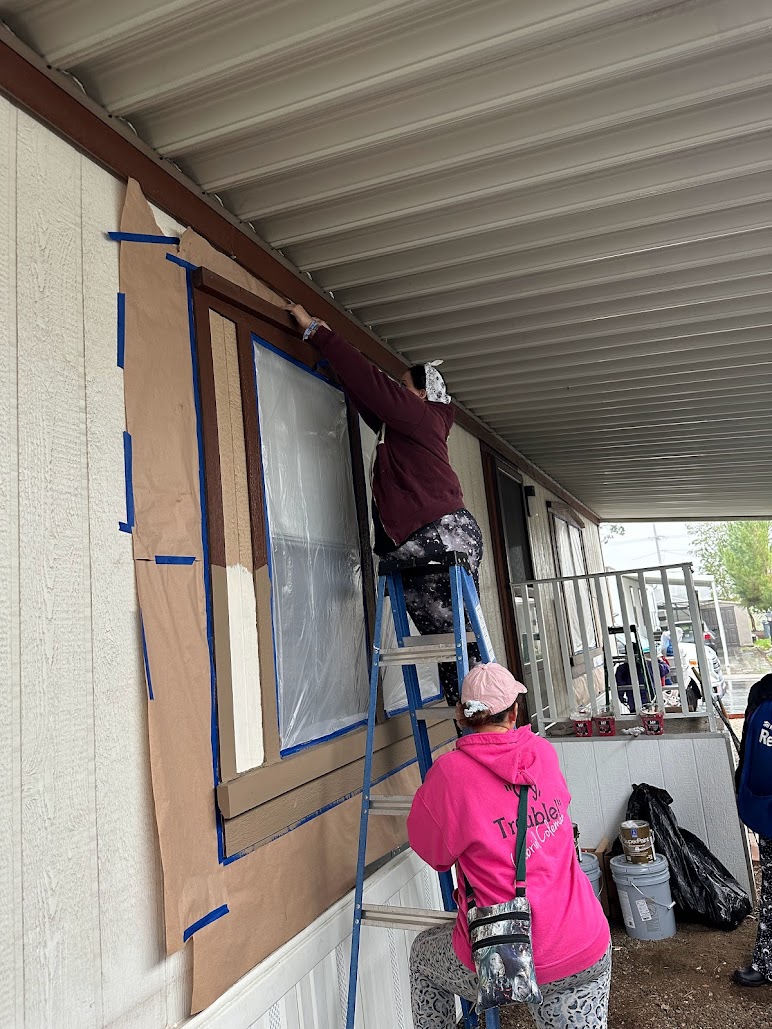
(591, 868)
(644, 896)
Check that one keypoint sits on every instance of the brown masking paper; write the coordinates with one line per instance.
(274, 892)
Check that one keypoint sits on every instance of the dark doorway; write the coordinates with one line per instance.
(508, 515)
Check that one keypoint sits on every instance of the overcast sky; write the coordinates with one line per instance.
(637, 548)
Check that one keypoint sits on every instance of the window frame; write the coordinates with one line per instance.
(559, 512)
(259, 342)
(261, 803)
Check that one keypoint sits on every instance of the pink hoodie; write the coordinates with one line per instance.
(466, 813)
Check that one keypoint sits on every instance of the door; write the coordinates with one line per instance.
(508, 516)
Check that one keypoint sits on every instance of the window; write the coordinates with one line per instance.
(315, 567)
(571, 561)
(285, 489)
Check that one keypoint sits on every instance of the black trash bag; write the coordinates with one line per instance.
(703, 890)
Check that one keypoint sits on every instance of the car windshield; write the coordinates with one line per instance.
(688, 631)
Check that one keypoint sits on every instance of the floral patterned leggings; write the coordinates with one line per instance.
(762, 955)
(427, 597)
(437, 977)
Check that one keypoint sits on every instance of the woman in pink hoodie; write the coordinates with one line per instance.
(465, 815)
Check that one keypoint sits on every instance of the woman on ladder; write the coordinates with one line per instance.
(418, 507)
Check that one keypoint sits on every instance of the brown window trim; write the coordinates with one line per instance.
(259, 824)
(281, 790)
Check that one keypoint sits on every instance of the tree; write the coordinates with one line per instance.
(708, 541)
(609, 530)
(739, 556)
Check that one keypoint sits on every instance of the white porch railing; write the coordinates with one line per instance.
(575, 631)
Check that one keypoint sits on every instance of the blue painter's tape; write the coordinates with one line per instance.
(298, 364)
(121, 328)
(127, 470)
(141, 237)
(183, 264)
(173, 559)
(323, 739)
(426, 700)
(145, 658)
(206, 920)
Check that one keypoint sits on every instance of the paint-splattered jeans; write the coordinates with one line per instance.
(437, 977)
(427, 597)
(762, 954)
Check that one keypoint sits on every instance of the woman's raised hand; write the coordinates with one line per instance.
(303, 318)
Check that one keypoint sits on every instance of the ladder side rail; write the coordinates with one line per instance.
(410, 675)
(459, 623)
(474, 610)
(365, 810)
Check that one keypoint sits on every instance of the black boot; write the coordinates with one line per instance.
(749, 977)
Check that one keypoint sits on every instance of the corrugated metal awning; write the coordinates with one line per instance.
(569, 202)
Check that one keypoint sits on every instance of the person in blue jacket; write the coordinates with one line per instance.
(754, 800)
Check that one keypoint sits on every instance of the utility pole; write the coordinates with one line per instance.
(656, 544)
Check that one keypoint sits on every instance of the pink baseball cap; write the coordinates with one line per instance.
(489, 687)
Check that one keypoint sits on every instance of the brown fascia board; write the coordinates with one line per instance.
(56, 100)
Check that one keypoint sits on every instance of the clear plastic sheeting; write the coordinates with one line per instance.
(392, 679)
(316, 573)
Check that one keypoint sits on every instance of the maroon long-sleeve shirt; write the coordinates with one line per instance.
(413, 481)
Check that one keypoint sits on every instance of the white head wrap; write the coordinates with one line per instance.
(474, 707)
(436, 390)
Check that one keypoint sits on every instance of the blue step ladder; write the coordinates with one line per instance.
(409, 650)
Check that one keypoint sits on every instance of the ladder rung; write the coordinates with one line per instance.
(412, 655)
(390, 805)
(441, 638)
(437, 647)
(413, 919)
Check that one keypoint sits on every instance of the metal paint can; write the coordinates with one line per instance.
(637, 842)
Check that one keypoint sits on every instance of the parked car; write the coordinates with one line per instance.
(688, 631)
(689, 659)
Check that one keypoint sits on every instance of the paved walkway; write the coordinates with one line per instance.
(746, 666)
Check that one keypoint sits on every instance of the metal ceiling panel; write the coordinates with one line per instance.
(569, 202)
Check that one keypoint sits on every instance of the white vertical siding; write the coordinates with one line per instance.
(81, 940)
(11, 928)
(539, 533)
(695, 770)
(61, 906)
(593, 549)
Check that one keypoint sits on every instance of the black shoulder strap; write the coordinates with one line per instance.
(518, 857)
(522, 836)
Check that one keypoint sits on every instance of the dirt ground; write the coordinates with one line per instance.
(683, 982)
